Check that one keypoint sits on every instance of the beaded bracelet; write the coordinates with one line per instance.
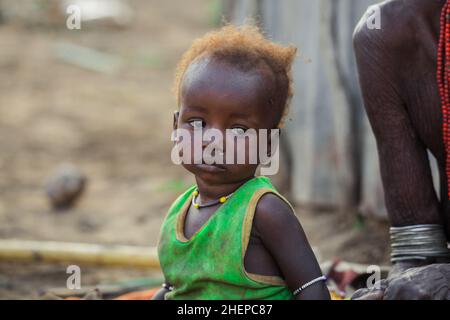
(308, 284)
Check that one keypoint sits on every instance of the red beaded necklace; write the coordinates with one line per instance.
(443, 79)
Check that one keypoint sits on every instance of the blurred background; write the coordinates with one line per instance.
(86, 117)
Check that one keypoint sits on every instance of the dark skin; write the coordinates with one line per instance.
(217, 95)
(397, 70)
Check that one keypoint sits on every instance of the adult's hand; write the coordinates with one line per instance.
(431, 282)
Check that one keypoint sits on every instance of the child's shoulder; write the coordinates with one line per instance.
(273, 210)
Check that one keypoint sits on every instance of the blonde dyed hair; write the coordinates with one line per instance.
(245, 47)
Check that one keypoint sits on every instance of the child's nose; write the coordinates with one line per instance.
(215, 138)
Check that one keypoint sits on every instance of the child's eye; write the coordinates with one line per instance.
(238, 131)
(197, 124)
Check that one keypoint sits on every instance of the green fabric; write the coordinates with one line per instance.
(210, 265)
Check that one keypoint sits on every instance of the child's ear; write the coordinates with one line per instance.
(174, 136)
(176, 115)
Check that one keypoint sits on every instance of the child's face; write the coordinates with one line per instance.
(216, 95)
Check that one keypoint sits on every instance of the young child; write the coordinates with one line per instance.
(232, 236)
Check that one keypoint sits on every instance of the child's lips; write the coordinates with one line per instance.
(211, 167)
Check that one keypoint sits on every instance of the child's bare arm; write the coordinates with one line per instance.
(283, 236)
(161, 293)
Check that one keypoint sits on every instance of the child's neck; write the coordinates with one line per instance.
(209, 192)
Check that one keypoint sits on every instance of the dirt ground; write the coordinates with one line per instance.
(116, 129)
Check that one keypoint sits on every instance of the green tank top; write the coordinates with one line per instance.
(210, 265)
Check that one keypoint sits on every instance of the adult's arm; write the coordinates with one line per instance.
(405, 170)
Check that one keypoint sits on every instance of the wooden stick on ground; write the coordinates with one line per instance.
(79, 253)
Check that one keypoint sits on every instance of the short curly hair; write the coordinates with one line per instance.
(245, 47)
